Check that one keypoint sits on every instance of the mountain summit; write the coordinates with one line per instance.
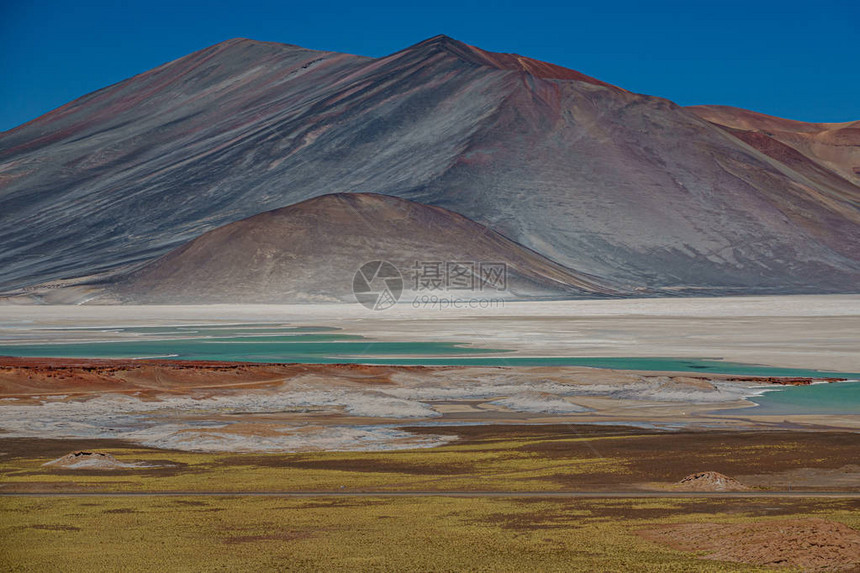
(499, 61)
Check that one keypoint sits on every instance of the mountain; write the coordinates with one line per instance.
(647, 195)
(310, 252)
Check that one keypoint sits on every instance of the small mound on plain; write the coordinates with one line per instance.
(81, 460)
(710, 481)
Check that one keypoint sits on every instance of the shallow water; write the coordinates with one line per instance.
(312, 345)
(312, 348)
(839, 398)
(665, 364)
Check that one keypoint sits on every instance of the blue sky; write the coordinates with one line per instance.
(799, 60)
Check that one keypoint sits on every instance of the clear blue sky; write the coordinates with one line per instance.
(799, 60)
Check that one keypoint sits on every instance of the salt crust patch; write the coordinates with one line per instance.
(538, 402)
(185, 422)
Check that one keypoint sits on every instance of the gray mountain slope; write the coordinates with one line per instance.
(630, 188)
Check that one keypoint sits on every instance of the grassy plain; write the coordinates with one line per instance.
(370, 534)
(415, 533)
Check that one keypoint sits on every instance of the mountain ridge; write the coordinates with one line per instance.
(634, 189)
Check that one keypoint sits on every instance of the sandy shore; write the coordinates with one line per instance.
(819, 332)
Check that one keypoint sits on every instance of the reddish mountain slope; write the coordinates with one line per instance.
(835, 146)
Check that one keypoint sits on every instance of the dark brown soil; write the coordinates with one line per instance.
(638, 458)
(643, 456)
(667, 457)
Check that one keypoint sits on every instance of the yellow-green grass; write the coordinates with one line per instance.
(367, 534)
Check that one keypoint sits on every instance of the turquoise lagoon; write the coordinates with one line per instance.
(320, 345)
